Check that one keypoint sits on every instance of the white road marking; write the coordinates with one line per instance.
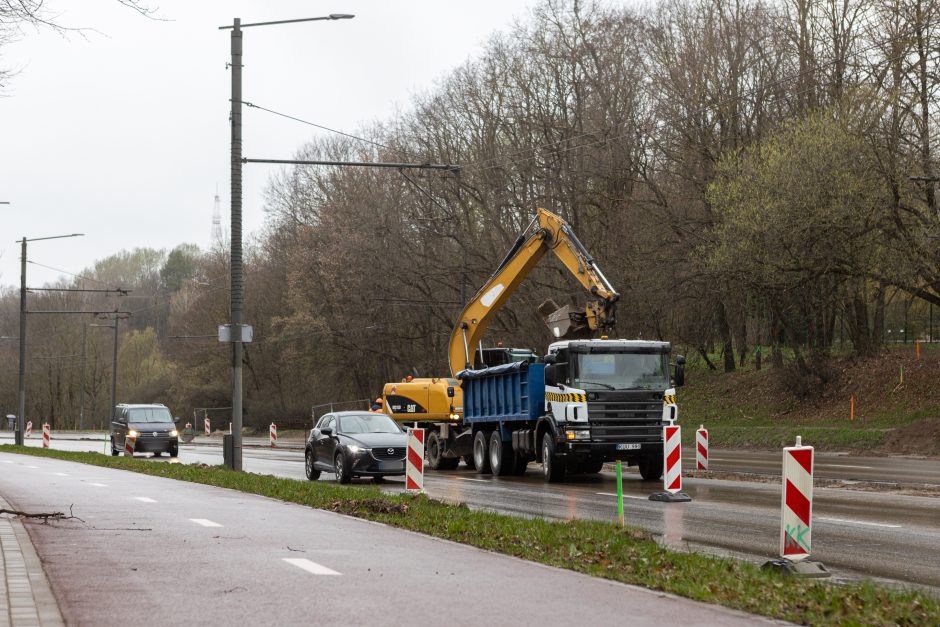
(60, 474)
(472, 479)
(7, 461)
(205, 522)
(626, 496)
(858, 522)
(844, 466)
(99, 485)
(146, 499)
(34, 467)
(310, 567)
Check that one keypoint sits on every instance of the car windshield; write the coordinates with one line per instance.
(368, 423)
(620, 371)
(149, 414)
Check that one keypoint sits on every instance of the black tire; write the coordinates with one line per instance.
(592, 467)
(553, 467)
(378, 479)
(342, 469)
(435, 454)
(481, 457)
(468, 460)
(156, 453)
(651, 468)
(312, 473)
(175, 451)
(114, 451)
(501, 455)
(519, 464)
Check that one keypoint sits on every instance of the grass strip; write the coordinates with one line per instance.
(595, 548)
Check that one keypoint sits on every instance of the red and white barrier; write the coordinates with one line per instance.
(796, 502)
(701, 448)
(672, 458)
(414, 464)
(29, 428)
(273, 432)
(130, 442)
(46, 434)
(208, 430)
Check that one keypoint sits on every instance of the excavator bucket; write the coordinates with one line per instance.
(565, 323)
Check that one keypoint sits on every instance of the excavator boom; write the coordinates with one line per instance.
(546, 232)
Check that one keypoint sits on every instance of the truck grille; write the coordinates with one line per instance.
(387, 453)
(626, 417)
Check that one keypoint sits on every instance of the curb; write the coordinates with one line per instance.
(27, 596)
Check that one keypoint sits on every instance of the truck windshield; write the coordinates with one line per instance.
(622, 371)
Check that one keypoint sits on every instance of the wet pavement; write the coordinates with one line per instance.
(856, 534)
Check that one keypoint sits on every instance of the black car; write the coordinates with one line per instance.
(152, 427)
(356, 444)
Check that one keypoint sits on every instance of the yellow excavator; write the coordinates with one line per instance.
(437, 403)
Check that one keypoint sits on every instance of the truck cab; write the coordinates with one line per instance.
(608, 400)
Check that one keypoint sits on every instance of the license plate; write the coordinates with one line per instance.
(628, 447)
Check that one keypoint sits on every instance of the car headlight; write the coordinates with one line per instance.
(352, 448)
(174, 433)
(580, 434)
(131, 433)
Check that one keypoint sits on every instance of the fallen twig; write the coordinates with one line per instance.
(45, 516)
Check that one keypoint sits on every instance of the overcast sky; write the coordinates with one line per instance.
(123, 135)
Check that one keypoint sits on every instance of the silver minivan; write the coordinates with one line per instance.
(151, 426)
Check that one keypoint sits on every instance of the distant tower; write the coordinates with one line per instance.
(216, 236)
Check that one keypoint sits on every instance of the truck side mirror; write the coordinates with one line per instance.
(550, 358)
(551, 374)
(680, 370)
(450, 392)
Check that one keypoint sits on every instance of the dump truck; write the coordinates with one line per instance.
(628, 411)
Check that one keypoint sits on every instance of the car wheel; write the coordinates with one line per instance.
(480, 457)
(553, 468)
(501, 456)
(341, 468)
(156, 454)
(651, 468)
(378, 479)
(175, 451)
(312, 473)
(114, 451)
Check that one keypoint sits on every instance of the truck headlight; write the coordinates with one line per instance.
(579, 434)
(455, 416)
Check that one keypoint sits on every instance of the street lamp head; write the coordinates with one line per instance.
(341, 16)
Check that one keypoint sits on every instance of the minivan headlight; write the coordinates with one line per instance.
(174, 433)
(131, 433)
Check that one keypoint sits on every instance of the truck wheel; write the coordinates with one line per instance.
(651, 468)
(519, 464)
(435, 454)
(592, 467)
(481, 458)
(553, 468)
(501, 455)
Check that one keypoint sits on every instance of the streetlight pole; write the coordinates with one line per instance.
(237, 294)
(81, 392)
(21, 412)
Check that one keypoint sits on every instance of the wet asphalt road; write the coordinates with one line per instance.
(153, 551)
(855, 534)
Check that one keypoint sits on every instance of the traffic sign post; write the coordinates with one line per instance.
(414, 461)
(701, 448)
(796, 513)
(672, 467)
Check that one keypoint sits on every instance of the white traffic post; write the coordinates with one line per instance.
(29, 428)
(273, 432)
(414, 461)
(701, 448)
(46, 434)
(208, 430)
(672, 467)
(796, 513)
(130, 442)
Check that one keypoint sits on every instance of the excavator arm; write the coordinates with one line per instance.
(546, 232)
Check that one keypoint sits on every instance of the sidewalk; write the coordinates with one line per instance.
(26, 598)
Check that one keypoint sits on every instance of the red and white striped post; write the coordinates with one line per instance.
(130, 442)
(701, 448)
(273, 434)
(672, 467)
(46, 434)
(29, 428)
(208, 429)
(414, 464)
(796, 513)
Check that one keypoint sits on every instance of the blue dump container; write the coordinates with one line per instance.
(510, 392)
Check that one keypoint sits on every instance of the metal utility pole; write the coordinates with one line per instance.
(81, 392)
(21, 409)
(114, 370)
(237, 292)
